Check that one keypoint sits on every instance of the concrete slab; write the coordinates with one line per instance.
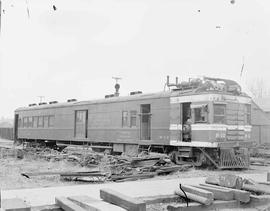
(14, 204)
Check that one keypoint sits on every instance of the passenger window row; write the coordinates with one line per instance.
(132, 117)
(37, 122)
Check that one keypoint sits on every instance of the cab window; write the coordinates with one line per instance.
(219, 113)
(200, 114)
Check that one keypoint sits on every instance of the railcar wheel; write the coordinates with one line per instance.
(200, 159)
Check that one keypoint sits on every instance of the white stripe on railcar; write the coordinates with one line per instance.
(210, 97)
(218, 127)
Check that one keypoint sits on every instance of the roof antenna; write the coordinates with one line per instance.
(116, 86)
(27, 8)
(242, 68)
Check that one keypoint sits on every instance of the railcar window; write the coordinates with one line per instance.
(133, 116)
(124, 119)
(80, 116)
(248, 114)
(40, 121)
(46, 121)
(200, 114)
(30, 121)
(51, 121)
(219, 113)
(25, 121)
(35, 121)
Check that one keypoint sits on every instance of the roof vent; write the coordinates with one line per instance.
(109, 96)
(71, 100)
(33, 104)
(53, 102)
(44, 103)
(135, 92)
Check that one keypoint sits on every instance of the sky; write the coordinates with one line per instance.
(75, 50)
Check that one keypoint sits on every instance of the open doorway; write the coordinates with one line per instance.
(145, 126)
(186, 122)
(16, 125)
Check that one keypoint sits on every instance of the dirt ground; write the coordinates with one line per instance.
(11, 169)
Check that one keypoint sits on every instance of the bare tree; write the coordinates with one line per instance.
(259, 88)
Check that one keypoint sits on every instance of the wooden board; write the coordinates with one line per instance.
(129, 203)
(198, 191)
(67, 205)
(92, 204)
(219, 194)
(240, 195)
(160, 199)
(194, 197)
(257, 188)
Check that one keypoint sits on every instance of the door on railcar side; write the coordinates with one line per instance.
(186, 122)
(176, 122)
(81, 119)
(145, 122)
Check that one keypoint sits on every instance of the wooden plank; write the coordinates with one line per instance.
(240, 195)
(194, 197)
(198, 191)
(219, 194)
(30, 174)
(138, 176)
(67, 205)
(92, 204)
(261, 198)
(122, 200)
(194, 206)
(264, 183)
(160, 199)
(52, 207)
(257, 188)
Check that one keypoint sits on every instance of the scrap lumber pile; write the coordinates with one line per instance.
(104, 167)
(144, 167)
(227, 188)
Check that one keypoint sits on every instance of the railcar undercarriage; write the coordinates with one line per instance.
(220, 158)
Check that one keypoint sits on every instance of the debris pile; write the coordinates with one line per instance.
(106, 167)
(227, 188)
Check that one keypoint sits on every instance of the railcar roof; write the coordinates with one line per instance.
(163, 94)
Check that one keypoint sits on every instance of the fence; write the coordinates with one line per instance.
(7, 133)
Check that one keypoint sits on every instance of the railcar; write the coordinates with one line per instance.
(215, 110)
